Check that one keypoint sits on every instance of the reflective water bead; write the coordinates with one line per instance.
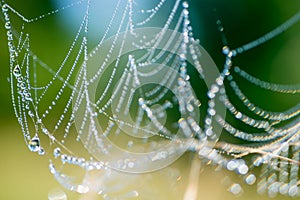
(17, 71)
(130, 164)
(225, 50)
(9, 35)
(27, 96)
(250, 179)
(82, 189)
(30, 113)
(238, 115)
(185, 12)
(34, 144)
(235, 189)
(20, 79)
(284, 188)
(22, 85)
(41, 151)
(211, 112)
(185, 4)
(52, 168)
(228, 63)
(233, 53)
(232, 165)
(56, 152)
(4, 8)
(293, 190)
(237, 69)
(243, 169)
(220, 80)
(210, 94)
(7, 25)
(57, 194)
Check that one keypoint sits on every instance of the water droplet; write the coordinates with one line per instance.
(30, 113)
(82, 189)
(211, 112)
(243, 169)
(250, 179)
(233, 53)
(225, 50)
(130, 143)
(238, 115)
(4, 8)
(235, 189)
(20, 79)
(9, 35)
(210, 94)
(17, 71)
(57, 194)
(185, 12)
(27, 96)
(7, 25)
(21, 85)
(228, 63)
(130, 164)
(185, 4)
(189, 107)
(232, 165)
(41, 151)
(56, 152)
(34, 144)
(293, 191)
(284, 188)
(237, 69)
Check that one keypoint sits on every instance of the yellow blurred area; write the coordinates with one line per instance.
(25, 176)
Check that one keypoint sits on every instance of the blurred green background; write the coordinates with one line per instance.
(24, 175)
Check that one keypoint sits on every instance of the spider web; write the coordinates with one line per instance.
(125, 100)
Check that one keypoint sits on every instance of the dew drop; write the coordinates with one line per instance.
(130, 164)
(4, 8)
(30, 113)
(235, 189)
(185, 4)
(27, 95)
(17, 71)
(57, 194)
(211, 112)
(41, 151)
(130, 143)
(82, 189)
(225, 50)
(34, 144)
(21, 85)
(237, 69)
(238, 115)
(250, 179)
(185, 12)
(56, 152)
(243, 169)
(293, 191)
(284, 188)
(19, 79)
(7, 25)
(232, 165)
